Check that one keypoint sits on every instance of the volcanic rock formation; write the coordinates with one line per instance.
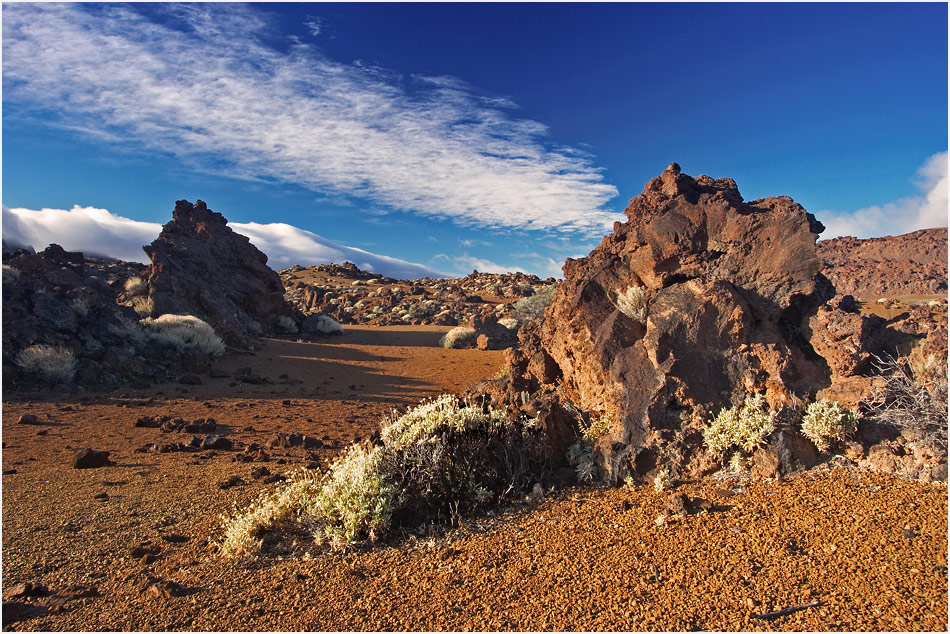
(910, 264)
(693, 304)
(201, 267)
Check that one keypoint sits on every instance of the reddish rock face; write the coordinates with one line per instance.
(910, 264)
(201, 267)
(697, 301)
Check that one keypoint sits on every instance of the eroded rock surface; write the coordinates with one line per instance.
(697, 301)
(201, 267)
(910, 264)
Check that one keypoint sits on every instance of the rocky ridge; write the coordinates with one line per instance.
(909, 264)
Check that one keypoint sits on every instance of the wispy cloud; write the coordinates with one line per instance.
(200, 83)
(925, 211)
(100, 232)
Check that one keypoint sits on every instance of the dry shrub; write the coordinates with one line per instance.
(439, 459)
(52, 363)
(633, 303)
(458, 337)
(328, 325)
(533, 307)
(184, 333)
(135, 287)
(912, 397)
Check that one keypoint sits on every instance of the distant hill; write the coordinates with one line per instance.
(910, 264)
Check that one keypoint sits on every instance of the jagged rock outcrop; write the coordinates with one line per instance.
(697, 301)
(65, 301)
(910, 264)
(201, 267)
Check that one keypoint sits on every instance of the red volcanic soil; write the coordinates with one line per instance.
(910, 264)
(129, 546)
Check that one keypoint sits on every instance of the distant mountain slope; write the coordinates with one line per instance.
(910, 264)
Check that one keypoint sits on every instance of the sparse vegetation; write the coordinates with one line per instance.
(663, 480)
(287, 325)
(143, 306)
(438, 459)
(184, 332)
(826, 420)
(633, 303)
(135, 287)
(533, 307)
(914, 396)
(458, 337)
(328, 325)
(746, 427)
(55, 364)
(10, 275)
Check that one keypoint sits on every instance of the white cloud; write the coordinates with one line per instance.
(99, 232)
(925, 211)
(87, 229)
(468, 263)
(202, 85)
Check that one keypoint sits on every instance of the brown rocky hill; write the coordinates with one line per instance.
(910, 264)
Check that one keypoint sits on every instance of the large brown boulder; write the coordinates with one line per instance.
(201, 267)
(697, 301)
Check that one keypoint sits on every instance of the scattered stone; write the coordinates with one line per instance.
(9, 471)
(166, 589)
(233, 481)
(28, 589)
(190, 379)
(145, 549)
(274, 478)
(146, 421)
(28, 419)
(216, 442)
(259, 472)
(91, 459)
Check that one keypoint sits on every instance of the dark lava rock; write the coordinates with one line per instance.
(216, 442)
(201, 267)
(233, 481)
(28, 419)
(28, 589)
(91, 459)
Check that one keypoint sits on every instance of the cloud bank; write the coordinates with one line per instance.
(200, 83)
(925, 211)
(100, 232)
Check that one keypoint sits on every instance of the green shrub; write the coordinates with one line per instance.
(458, 337)
(533, 307)
(328, 325)
(746, 427)
(184, 333)
(580, 455)
(52, 363)
(826, 420)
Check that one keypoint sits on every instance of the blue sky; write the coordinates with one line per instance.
(453, 137)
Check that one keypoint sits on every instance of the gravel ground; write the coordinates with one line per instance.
(870, 549)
